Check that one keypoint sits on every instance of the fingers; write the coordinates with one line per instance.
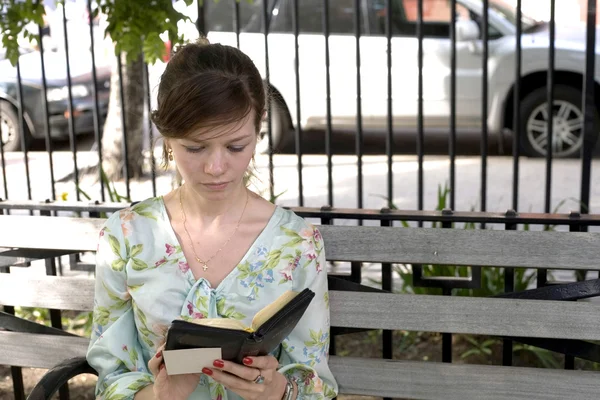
(156, 362)
(262, 363)
(246, 373)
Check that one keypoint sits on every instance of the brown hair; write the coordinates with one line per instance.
(207, 85)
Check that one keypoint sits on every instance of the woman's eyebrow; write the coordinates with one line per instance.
(238, 139)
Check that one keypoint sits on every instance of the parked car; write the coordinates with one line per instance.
(57, 95)
(570, 56)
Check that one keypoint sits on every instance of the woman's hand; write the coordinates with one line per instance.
(241, 378)
(173, 387)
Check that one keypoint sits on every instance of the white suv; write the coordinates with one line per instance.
(569, 67)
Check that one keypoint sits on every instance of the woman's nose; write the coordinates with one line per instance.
(215, 165)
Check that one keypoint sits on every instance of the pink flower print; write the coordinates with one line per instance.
(311, 256)
(160, 262)
(124, 347)
(294, 264)
(219, 396)
(287, 272)
(159, 329)
(308, 378)
(317, 235)
(183, 267)
(126, 228)
(306, 234)
(192, 313)
(170, 249)
(318, 385)
(126, 214)
(319, 268)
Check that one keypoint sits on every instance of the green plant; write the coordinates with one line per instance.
(478, 347)
(80, 324)
(133, 25)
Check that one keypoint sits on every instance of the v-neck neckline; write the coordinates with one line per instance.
(273, 220)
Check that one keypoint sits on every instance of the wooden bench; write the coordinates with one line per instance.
(565, 325)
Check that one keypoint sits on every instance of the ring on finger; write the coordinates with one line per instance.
(259, 379)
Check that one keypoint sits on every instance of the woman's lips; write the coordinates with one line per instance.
(217, 185)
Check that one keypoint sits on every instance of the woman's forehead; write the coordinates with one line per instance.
(224, 132)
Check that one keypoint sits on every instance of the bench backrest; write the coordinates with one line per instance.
(484, 316)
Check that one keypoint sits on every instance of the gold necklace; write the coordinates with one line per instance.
(204, 264)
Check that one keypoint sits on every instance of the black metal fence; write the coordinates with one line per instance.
(392, 23)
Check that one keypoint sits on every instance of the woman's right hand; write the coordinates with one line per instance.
(175, 387)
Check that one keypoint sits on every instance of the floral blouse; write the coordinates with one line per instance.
(143, 282)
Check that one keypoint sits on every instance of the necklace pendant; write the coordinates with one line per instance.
(204, 266)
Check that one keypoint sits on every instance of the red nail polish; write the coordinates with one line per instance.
(161, 367)
(219, 363)
(207, 371)
(159, 354)
(247, 361)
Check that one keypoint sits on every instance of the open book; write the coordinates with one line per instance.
(269, 327)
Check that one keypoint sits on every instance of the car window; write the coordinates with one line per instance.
(220, 16)
(310, 17)
(436, 18)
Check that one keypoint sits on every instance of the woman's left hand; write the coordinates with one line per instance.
(241, 379)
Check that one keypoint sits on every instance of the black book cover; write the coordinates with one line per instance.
(236, 344)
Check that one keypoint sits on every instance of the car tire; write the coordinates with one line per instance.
(9, 128)
(567, 138)
(280, 128)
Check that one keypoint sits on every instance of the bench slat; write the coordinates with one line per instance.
(56, 233)
(553, 250)
(359, 376)
(432, 380)
(484, 316)
(47, 292)
(39, 351)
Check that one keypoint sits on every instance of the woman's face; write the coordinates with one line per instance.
(213, 161)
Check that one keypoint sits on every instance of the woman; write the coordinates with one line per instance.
(210, 248)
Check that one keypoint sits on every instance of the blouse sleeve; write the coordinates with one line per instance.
(306, 350)
(114, 350)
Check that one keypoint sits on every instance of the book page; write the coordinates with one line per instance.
(263, 315)
(225, 323)
(190, 361)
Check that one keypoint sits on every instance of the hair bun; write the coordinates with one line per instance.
(203, 41)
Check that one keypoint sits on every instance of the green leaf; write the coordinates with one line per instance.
(147, 215)
(289, 232)
(115, 246)
(133, 356)
(138, 385)
(138, 265)
(137, 249)
(118, 265)
(101, 315)
(127, 248)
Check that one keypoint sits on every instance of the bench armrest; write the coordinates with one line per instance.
(58, 376)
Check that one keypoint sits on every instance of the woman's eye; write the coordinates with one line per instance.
(236, 149)
(193, 149)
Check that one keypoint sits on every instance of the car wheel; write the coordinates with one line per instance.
(567, 120)
(280, 129)
(9, 128)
